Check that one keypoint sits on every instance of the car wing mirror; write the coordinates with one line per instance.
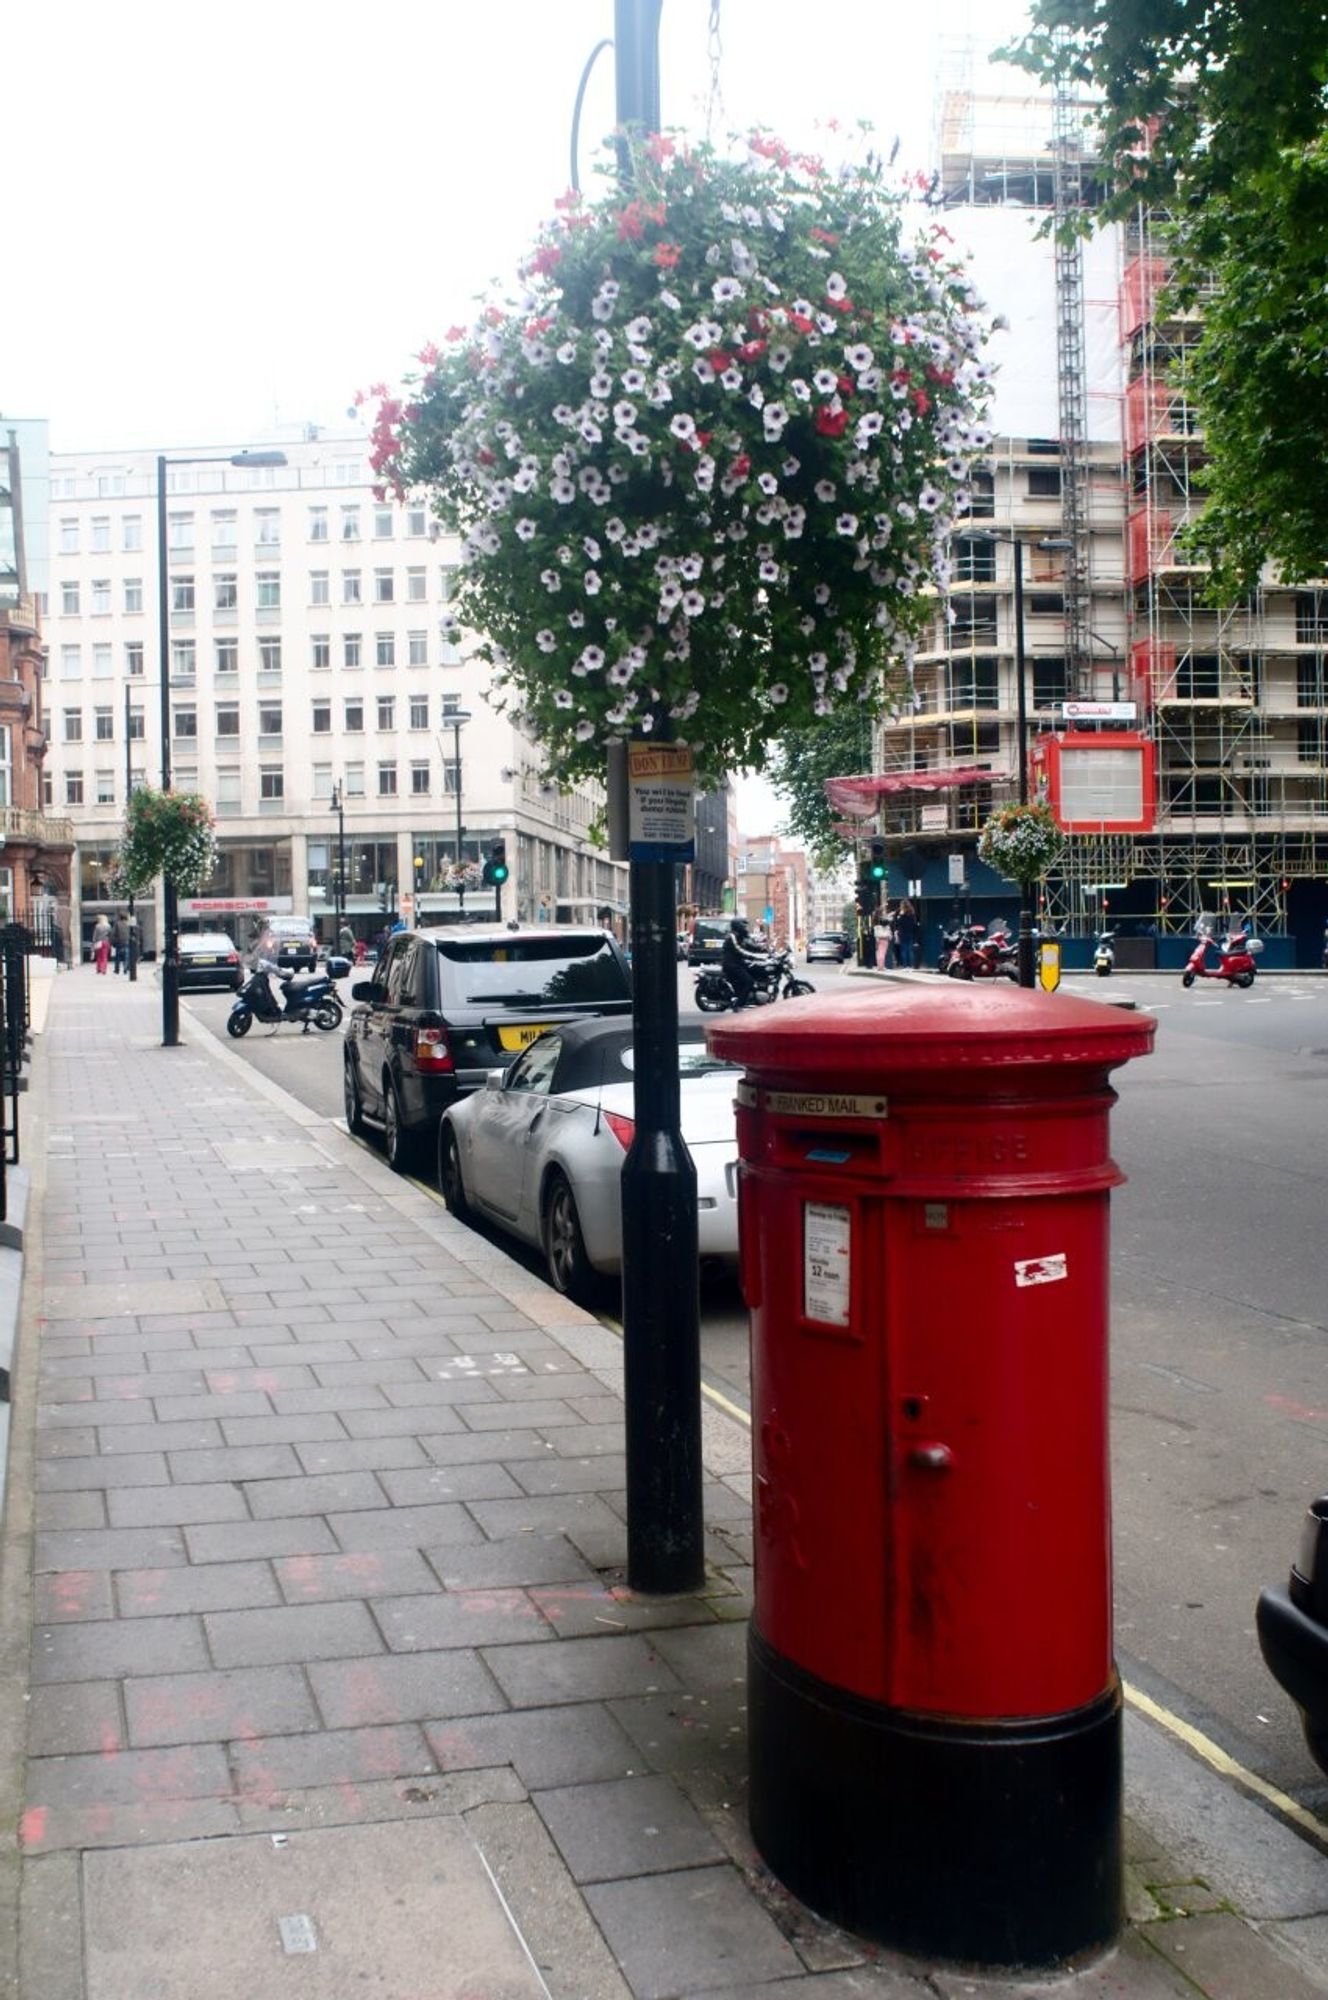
(364, 989)
(494, 1079)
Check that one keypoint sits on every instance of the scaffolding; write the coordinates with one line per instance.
(1072, 377)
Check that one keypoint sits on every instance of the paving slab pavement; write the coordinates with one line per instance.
(320, 1671)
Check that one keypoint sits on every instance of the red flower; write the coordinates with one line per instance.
(546, 258)
(740, 467)
(830, 422)
(800, 323)
(630, 227)
(846, 385)
(659, 147)
(455, 333)
(667, 255)
(719, 360)
(428, 354)
(828, 236)
(921, 402)
(752, 350)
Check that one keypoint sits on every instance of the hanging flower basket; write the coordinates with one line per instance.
(1021, 842)
(705, 463)
(169, 834)
(464, 875)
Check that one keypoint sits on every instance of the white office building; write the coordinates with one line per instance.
(309, 693)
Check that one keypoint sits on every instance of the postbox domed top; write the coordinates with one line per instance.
(884, 1029)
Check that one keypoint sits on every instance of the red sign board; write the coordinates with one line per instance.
(1101, 784)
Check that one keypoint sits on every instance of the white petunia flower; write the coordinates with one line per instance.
(546, 641)
(693, 603)
(584, 731)
(563, 698)
(825, 381)
(638, 329)
(859, 356)
(550, 579)
(590, 583)
(800, 389)
(725, 290)
(567, 353)
(682, 425)
(825, 490)
(835, 286)
(624, 414)
(525, 531)
(779, 693)
(778, 358)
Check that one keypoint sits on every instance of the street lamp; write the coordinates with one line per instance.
(1048, 542)
(456, 719)
(170, 964)
(339, 808)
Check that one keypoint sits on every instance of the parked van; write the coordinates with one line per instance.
(707, 940)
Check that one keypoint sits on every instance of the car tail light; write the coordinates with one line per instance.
(232, 958)
(623, 1129)
(433, 1051)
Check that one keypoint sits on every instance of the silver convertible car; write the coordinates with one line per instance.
(539, 1151)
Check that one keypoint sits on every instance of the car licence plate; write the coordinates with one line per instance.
(197, 958)
(521, 1038)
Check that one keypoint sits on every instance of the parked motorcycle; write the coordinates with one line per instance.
(974, 955)
(307, 997)
(1235, 959)
(772, 979)
(1104, 954)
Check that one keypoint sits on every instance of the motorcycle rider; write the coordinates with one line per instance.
(737, 954)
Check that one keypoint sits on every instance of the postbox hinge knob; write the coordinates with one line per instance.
(931, 1457)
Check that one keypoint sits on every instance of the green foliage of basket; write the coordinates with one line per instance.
(169, 834)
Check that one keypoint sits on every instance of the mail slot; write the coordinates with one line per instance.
(934, 1709)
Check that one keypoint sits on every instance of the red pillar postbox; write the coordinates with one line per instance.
(934, 1707)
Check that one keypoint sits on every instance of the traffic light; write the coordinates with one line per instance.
(876, 864)
(495, 868)
(869, 892)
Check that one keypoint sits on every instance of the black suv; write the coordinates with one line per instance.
(446, 1006)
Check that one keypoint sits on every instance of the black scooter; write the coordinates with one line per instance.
(307, 997)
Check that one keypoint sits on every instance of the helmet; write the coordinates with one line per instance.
(739, 927)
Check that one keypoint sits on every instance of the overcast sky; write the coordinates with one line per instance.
(228, 219)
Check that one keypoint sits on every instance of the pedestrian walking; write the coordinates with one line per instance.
(885, 940)
(101, 943)
(346, 941)
(906, 935)
(120, 944)
(359, 951)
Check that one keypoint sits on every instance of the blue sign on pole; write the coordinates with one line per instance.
(770, 913)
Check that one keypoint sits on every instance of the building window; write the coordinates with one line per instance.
(982, 506)
(102, 663)
(47, 789)
(182, 593)
(103, 725)
(322, 713)
(318, 590)
(451, 777)
(267, 528)
(101, 534)
(269, 656)
(387, 712)
(271, 784)
(228, 718)
(350, 524)
(73, 788)
(354, 781)
(384, 586)
(354, 716)
(225, 591)
(225, 531)
(1046, 604)
(183, 660)
(137, 726)
(417, 586)
(416, 520)
(350, 586)
(322, 783)
(105, 786)
(1050, 682)
(180, 533)
(228, 792)
(73, 725)
(974, 560)
(387, 781)
(131, 533)
(320, 651)
(417, 649)
(134, 658)
(419, 779)
(267, 584)
(269, 718)
(227, 656)
(133, 594)
(318, 524)
(447, 577)
(385, 649)
(419, 711)
(69, 600)
(350, 649)
(384, 523)
(1044, 482)
(101, 597)
(184, 724)
(69, 538)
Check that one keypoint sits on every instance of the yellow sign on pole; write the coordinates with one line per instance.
(1049, 964)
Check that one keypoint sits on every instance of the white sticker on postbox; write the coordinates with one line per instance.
(1041, 1270)
(826, 1262)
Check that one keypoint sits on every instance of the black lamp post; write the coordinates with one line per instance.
(170, 962)
(339, 900)
(456, 719)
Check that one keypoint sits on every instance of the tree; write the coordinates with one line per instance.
(1214, 112)
(800, 763)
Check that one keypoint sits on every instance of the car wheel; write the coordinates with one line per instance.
(239, 1022)
(564, 1246)
(398, 1140)
(327, 1015)
(350, 1084)
(449, 1174)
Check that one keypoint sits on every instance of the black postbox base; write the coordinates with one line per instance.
(989, 1843)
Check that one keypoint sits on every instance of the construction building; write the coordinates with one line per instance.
(1182, 745)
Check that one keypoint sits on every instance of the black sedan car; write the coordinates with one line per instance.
(209, 959)
(1293, 1631)
(444, 1007)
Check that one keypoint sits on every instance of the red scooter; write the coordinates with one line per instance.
(976, 956)
(1235, 956)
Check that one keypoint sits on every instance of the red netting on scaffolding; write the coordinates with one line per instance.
(1147, 412)
(1141, 281)
(1152, 672)
(860, 795)
(1150, 538)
